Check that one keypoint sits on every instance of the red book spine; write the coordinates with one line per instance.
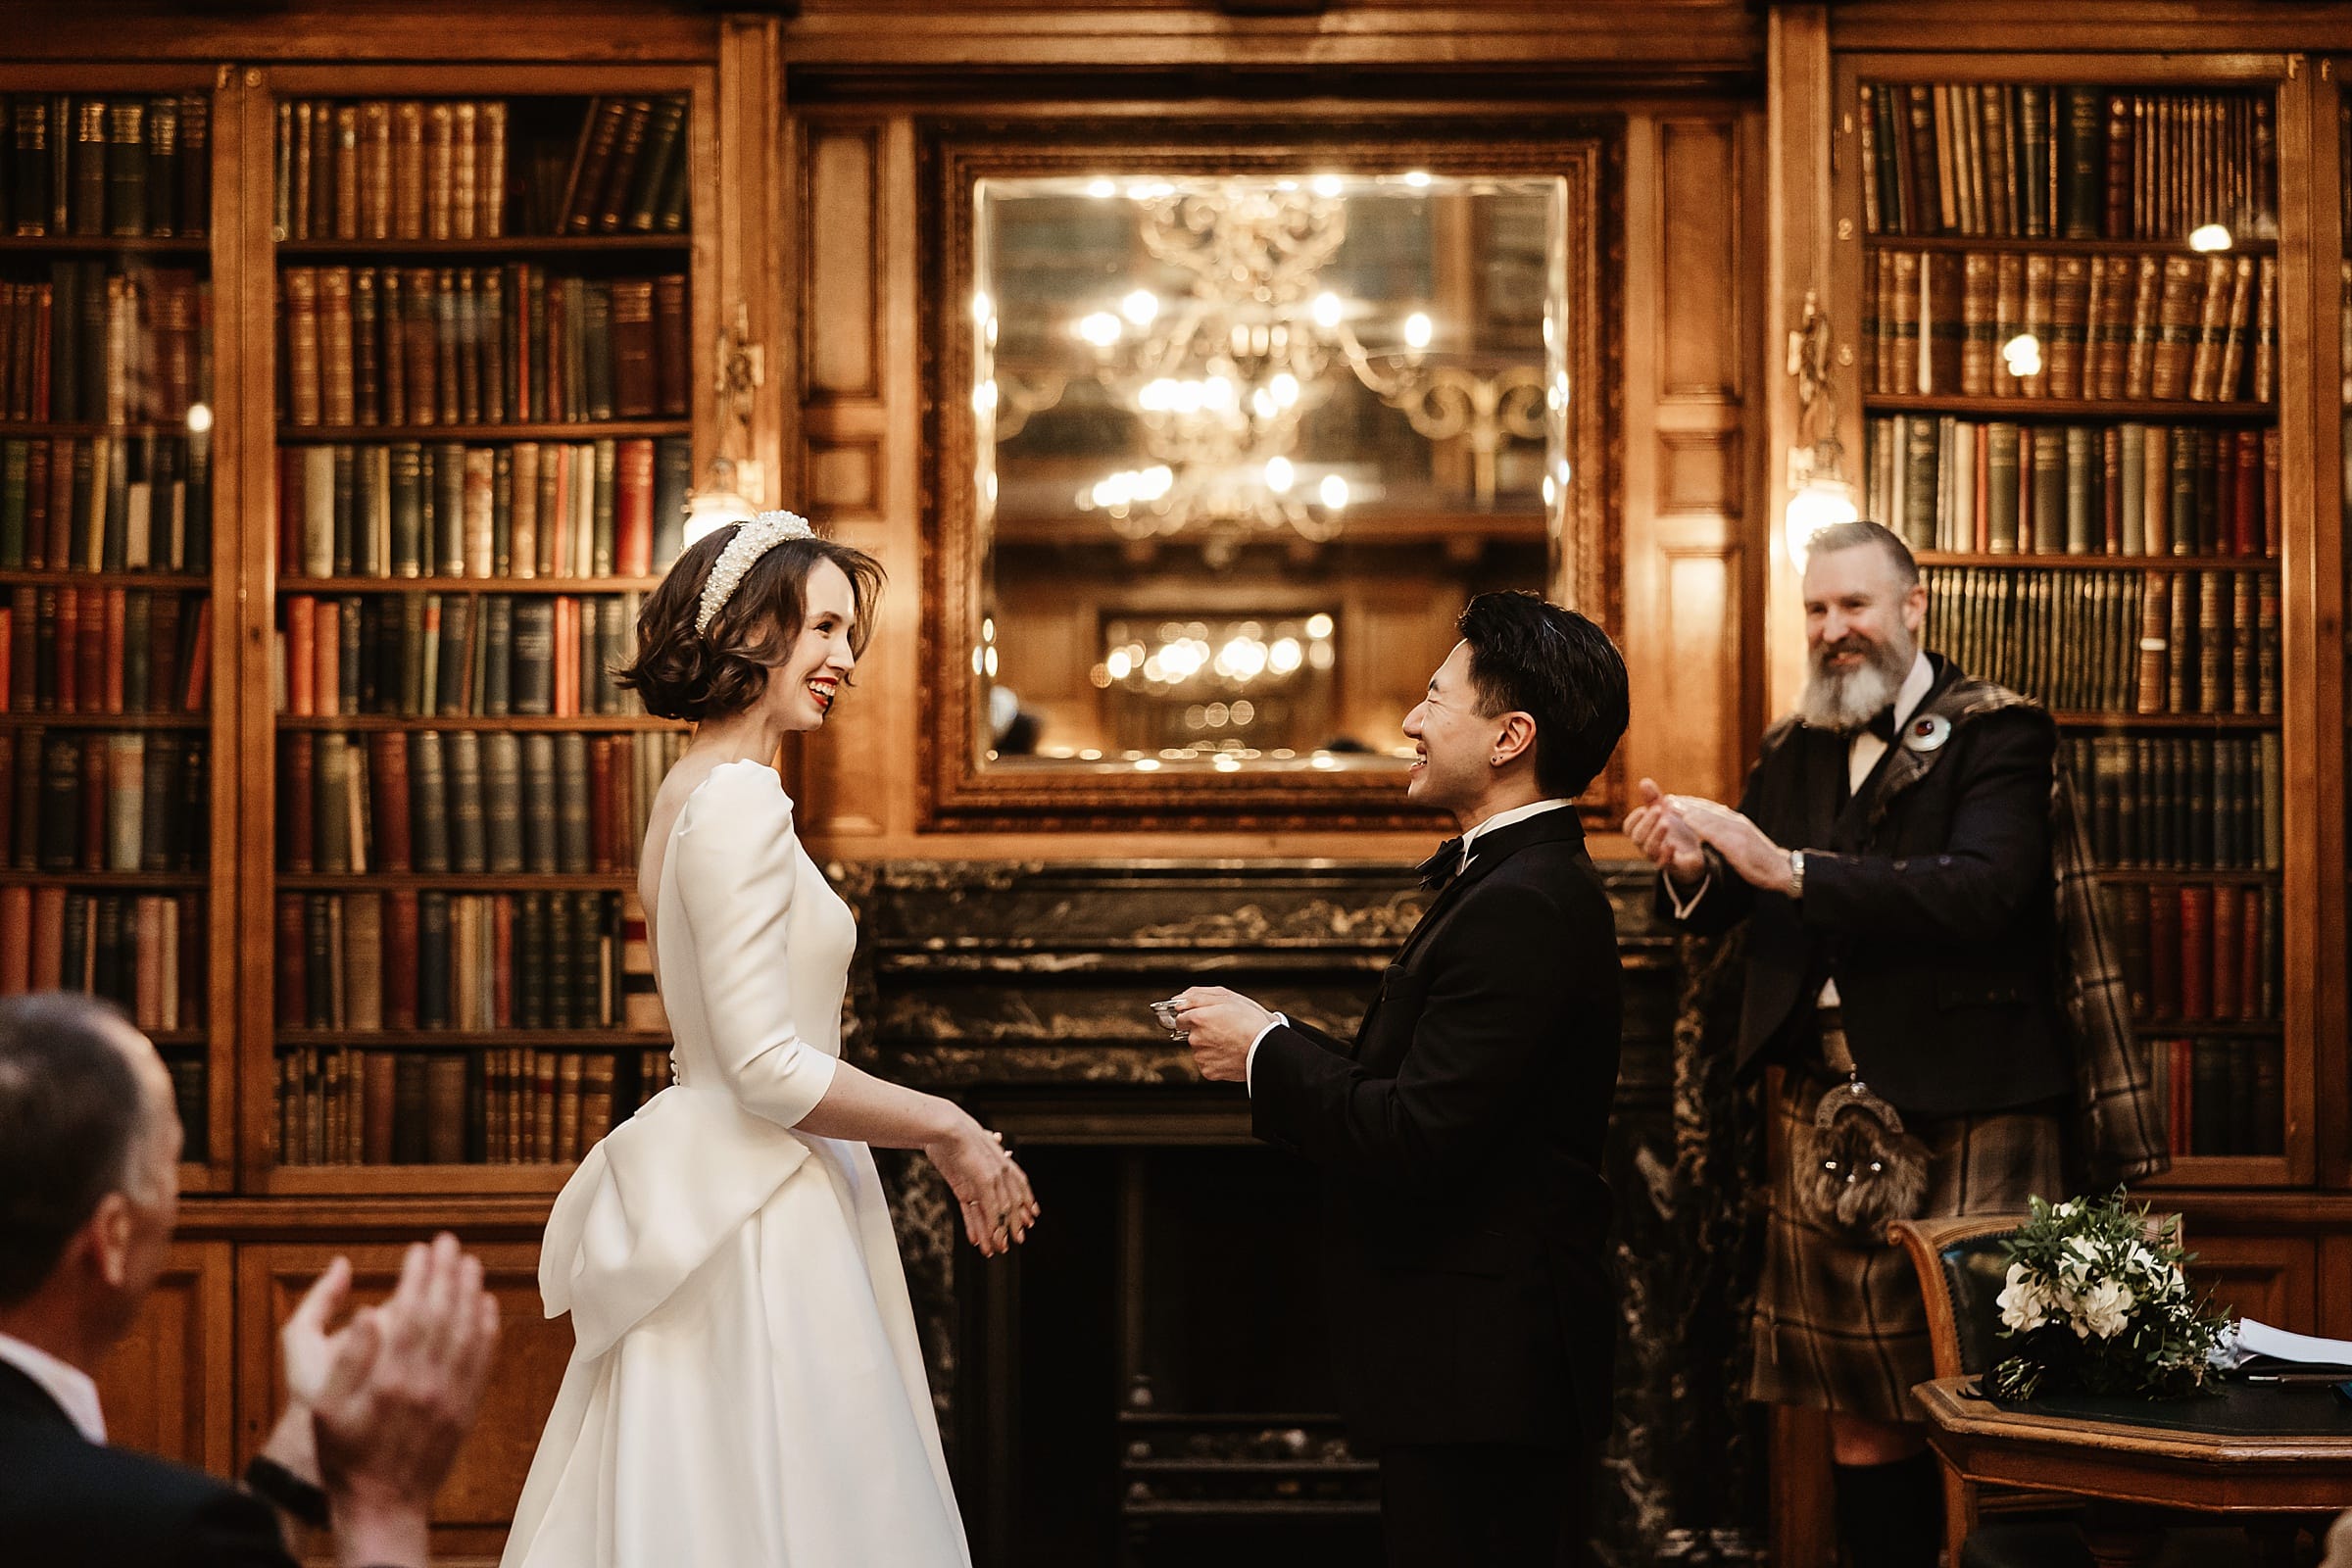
(326, 652)
(2249, 953)
(48, 938)
(162, 653)
(292, 945)
(567, 656)
(302, 655)
(8, 629)
(69, 643)
(2226, 953)
(116, 632)
(2270, 492)
(16, 941)
(501, 960)
(2184, 1066)
(400, 959)
(633, 550)
(556, 411)
(200, 659)
(600, 804)
(8, 791)
(61, 504)
(388, 762)
(2164, 938)
(295, 802)
(2196, 953)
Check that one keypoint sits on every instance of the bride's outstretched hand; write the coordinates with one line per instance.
(994, 1192)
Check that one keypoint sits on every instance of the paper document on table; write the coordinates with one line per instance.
(2248, 1339)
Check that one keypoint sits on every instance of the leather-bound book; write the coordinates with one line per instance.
(162, 184)
(563, 941)
(160, 828)
(61, 814)
(591, 164)
(672, 362)
(673, 474)
(29, 167)
(2196, 952)
(195, 203)
(298, 289)
(388, 788)
(612, 202)
(595, 1100)
(2070, 324)
(664, 140)
(440, 167)
(322, 204)
(611, 649)
(545, 1112)
(410, 1109)
(327, 679)
(636, 392)
(539, 809)
(126, 799)
(435, 961)
(531, 961)
(605, 517)
(366, 334)
(374, 161)
(490, 170)
(2266, 327)
(572, 787)
(330, 809)
(477, 472)
(48, 938)
(670, 208)
(595, 360)
(568, 1105)
(346, 190)
(496, 635)
(420, 357)
(407, 170)
(127, 169)
(566, 652)
(379, 1097)
(465, 169)
(468, 849)
(448, 348)
(290, 960)
(429, 809)
(364, 960)
(500, 917)
(533, 655)
(603, 855)
(465, 348)
(490, 346)
(15, 940)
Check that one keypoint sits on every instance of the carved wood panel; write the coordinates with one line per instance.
(477, 1502)
(166, 1387)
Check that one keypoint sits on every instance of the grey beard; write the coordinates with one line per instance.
(1831, 701)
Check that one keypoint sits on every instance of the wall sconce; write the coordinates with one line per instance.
(738, 367)
(1819, 493)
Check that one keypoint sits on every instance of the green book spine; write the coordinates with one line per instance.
(534, 644)
(2049, 492)
(497, 635)
(640, 209)
(596, 331)
(2001, 480)
(468, 849)
(2081, 161)
(428, 804)
(502, 513)
(408, 509)
(502, 801)
(539, 803)
(673, 474)
(612, 650)
(454, 657)
(2131, 479)
(2081, 494)
(127, 169)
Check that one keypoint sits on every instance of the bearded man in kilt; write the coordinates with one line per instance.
(1892, 861)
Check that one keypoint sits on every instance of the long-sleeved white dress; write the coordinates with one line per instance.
(746, 1390)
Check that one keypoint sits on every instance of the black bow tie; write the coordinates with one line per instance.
(1443, 867)
(1880, 725)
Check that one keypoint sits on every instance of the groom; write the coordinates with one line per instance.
(1460, 1135)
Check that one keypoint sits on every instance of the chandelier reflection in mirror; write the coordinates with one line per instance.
(1213, 411)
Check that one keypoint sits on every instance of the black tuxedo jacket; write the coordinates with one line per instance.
(1932, 905)
(66, 1502)
(1460, 1143)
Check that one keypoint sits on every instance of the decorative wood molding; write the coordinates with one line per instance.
(957, 794)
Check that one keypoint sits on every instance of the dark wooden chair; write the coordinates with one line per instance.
(1962, 1270)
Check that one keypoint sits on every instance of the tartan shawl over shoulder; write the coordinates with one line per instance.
(2118, 1126)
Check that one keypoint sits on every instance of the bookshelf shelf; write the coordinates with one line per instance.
(140, 721)
(459, 1039)
(2191, 721)
(579, 430)
(458, 881)
(614, 722)
(102, 245)
(467, 585)
(518, 246)
(86, 430)
(417, 1180)
(110, 881)
(2223, 1171)
(189, 582)
(2221, 1028)
(2067, 410)
(2160, 875)
(2057, 245)
(2097, 563)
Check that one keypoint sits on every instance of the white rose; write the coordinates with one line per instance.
(2024, 1304)
(2106, 1311)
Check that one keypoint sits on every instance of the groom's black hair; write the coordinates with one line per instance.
(1560, 670)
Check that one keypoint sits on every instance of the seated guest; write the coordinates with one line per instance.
(89, 1190)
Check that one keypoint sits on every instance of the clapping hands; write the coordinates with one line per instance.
(1675, 830)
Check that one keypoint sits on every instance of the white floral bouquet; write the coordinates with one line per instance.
(2098, 1301)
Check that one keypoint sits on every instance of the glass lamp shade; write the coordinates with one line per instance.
(1819, 503)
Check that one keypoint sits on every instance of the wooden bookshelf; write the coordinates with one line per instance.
(2092, 563)
(2070, 411)
(2057, 245)
(573, 430)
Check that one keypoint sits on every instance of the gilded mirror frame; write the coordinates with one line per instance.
(957, 790)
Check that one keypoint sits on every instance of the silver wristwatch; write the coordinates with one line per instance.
(1796, 873)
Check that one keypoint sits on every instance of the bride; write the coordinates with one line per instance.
(745, 1388)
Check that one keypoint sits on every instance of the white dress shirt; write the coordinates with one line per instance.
(1862, 754)
(1470, 836)
(71, 1387)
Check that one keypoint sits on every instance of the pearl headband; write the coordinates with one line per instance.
(752, 540)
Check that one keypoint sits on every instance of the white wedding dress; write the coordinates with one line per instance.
(745, 1388)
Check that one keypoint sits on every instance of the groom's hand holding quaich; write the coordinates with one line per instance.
(1220, 1025)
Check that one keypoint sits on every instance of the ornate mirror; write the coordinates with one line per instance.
(1225, 437)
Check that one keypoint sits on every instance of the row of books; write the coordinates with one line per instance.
(2194, 953)
(628, 171)
(2174, 803)
(467, 801)
(116, 167)
(2200, 328)
(95, 801)
(2076, 162)
(2129, 489)
(409, 960)
(121, 503)
(443, 655)
(504, 1106)
(525, 508)
(479, 345)
(2225, 1097)
(101, 651)
(2114, 642)
(141, 950)
(107, 343)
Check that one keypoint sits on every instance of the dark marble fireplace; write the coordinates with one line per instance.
(1144, 1383)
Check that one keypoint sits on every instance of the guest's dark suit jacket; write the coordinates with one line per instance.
(66, 1502)
(1460, 1142)
(1930, 903)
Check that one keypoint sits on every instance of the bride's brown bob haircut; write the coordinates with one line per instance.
(682, 673)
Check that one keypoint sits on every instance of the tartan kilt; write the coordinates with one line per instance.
(1841, 1325)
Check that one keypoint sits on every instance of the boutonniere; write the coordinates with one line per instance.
(1927, 732)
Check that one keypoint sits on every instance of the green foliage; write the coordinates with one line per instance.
(2098, 1302)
